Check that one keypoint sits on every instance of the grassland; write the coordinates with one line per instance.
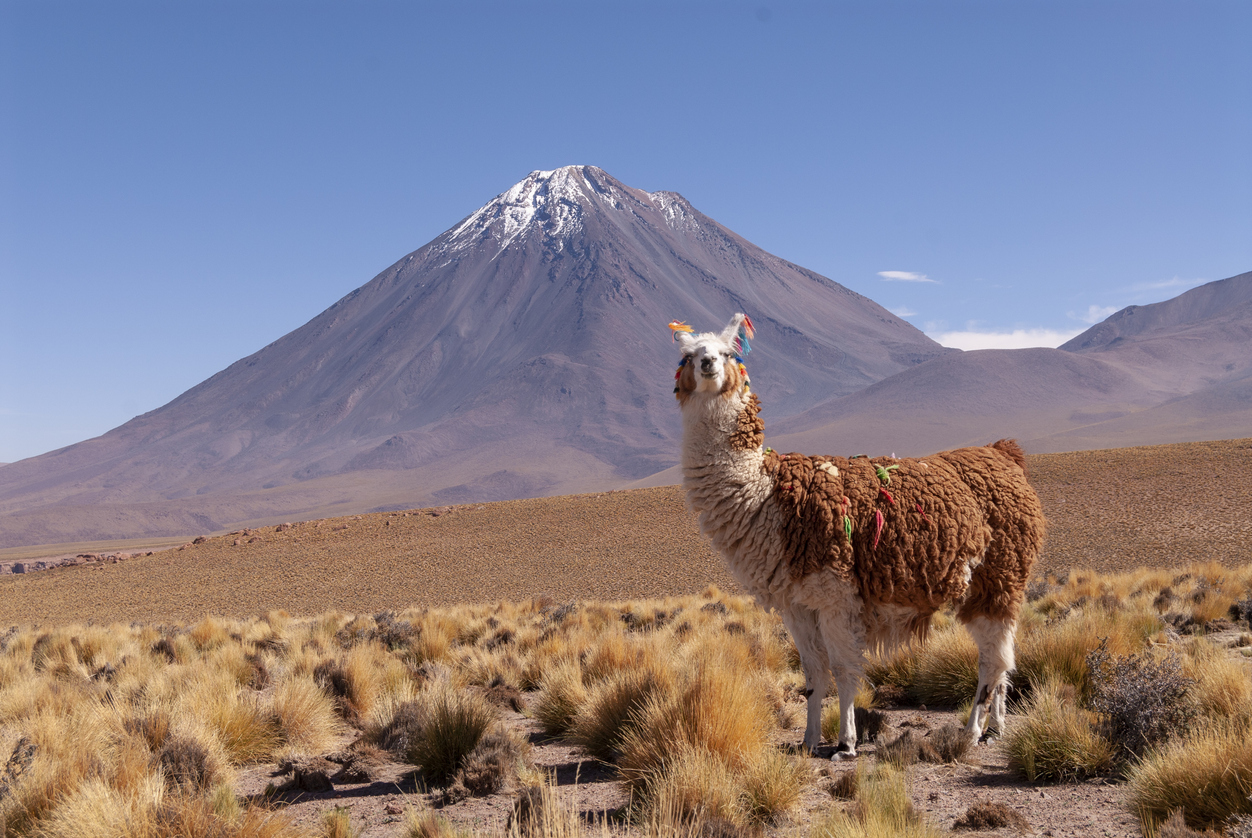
(563, 667)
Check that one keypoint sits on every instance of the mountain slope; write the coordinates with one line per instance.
(1173, 371)
(522, 352)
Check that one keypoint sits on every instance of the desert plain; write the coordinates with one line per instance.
(1165, 507)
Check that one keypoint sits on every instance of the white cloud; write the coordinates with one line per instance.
(1016, 339)
(1095, 313)
(905, 276)
(903, 311)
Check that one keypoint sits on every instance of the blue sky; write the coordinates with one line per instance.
(182, 183)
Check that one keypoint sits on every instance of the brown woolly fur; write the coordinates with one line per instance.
(749, 432)
(734, 378)
(937, 512)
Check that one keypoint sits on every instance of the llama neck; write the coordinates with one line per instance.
(722, 453)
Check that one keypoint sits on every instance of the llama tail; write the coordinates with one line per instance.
(1010, 449)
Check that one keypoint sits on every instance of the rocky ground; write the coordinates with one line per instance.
(942, 793)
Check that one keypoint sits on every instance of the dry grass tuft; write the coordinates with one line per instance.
(883, 809)
(615, 708)
(189, 765)
(1207, 775)
(712, 708)
(561, 695)
(451, 725)
(1056, 740)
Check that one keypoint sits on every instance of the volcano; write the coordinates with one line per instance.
(521, 353)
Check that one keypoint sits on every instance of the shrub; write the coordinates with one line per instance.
(337, 823)
(403, 727)
(946, 670)
(951, 743)
(1221, 690)
(614, 709)
(1141, 702)
(695, 782)
(188, 764)
(770, 786)
(538, 813)
(491, 766)
(987, 815)
(869, 723)
(452, 724)
(1055, 741)
(561, 695)
(306, 715)
(714, 708)
(1208, 775)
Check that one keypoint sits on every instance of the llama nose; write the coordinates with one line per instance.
(706, 365)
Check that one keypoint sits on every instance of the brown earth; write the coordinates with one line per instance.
(1109, 510)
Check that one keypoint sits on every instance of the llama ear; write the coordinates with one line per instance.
(737, 331)
(685, 341)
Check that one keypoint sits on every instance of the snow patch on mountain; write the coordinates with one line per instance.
(674, 208)
(547, 202)
(551, 204)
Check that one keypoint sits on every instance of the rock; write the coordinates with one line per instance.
(200, 539)
(283, 527)
(19, 567)
(314, 776)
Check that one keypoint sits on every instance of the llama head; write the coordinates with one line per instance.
(711, 363)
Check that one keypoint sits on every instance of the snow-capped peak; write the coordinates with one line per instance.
(551, 204)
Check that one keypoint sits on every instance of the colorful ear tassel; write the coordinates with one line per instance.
(677, 326)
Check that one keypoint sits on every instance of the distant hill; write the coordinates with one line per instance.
(1174, 371)
(523, 352)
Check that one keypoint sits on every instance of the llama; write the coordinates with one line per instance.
(856, 553)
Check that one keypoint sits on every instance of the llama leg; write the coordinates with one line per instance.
(802, 623)
(845, 648)
(994, 639)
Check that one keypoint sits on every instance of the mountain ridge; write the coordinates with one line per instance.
(1162, 373)
(520, 352)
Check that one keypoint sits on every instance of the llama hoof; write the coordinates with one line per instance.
(989, 736)
(842, 752)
